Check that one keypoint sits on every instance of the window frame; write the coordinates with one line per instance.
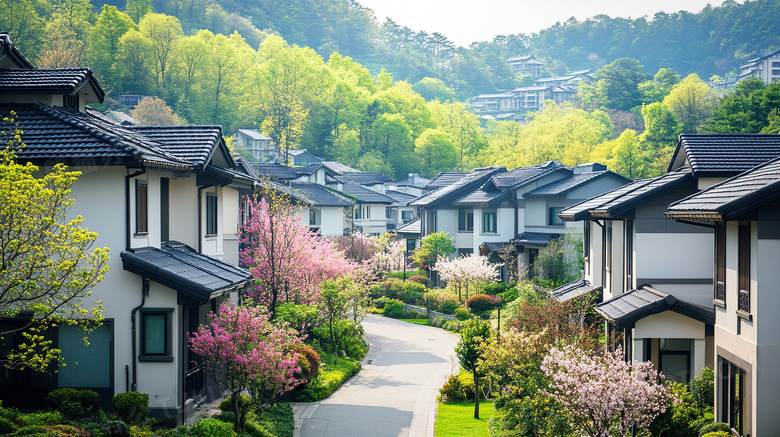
(357, 213)
(552, 217)
(743, 270)
(313, 217)
(212, 215)
(407, 216)
(719, 290)
(141, 207)
(167, 354)
(465, 220)
(486, 214)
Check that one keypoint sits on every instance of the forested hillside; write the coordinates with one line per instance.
(327, 77)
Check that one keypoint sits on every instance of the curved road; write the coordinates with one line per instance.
(395, 392)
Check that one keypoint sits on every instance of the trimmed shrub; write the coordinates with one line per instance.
(394, 308)
(718, 434)
(462, 314)
(226, 416)
(420, 279)
(308, 361)
(73, 404)
(212, 428)
(131, 406)
(509, 295)
(482, 303)
(452, 390)
(227, 404)
(115, 428)
(494, 289)
(7, 426)
(44, 418)
(714, 428)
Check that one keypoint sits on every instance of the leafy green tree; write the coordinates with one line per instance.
(134, 63)
(46, 261)
(472, 335)
(662, 129)
(464, 128)
(627, 158)
(432, 246)
(393, 139)
(104, 46)
(154, 112)
(657, 89)
(163, 32)
(433, 89)
(618, 84)
(137, 9)
(436, 151)
(747, 108)
(693, 102)
(67, 34)
(24, 24)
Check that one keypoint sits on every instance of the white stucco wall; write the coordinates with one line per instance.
(676, 255)
(331, 220)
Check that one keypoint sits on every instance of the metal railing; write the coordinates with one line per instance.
(720, 291)
(743, 301)
(195, 382)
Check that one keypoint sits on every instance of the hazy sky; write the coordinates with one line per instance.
(466, 21)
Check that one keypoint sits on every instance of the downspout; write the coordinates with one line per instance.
(200, 216)
(127, 205)
(144, 293)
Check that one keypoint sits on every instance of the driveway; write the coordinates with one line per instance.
(395, 392)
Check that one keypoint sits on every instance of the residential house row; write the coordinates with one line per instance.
(684, 293)
(508, 215)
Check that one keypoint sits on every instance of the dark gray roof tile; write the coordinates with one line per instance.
(458, 189)
(719, 155)
(655, 188)
(365, 195)
(320, 195)
(628, 308)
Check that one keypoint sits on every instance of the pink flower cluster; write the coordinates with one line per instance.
(602, 393)
(243, 350)
(286, 257)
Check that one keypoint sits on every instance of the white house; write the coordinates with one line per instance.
(165, 201)
(261, 147)
(766, 68)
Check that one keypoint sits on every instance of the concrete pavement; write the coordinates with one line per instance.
(395, 392)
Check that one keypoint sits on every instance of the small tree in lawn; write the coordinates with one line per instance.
(432, 247)
(475, 332)
(467, 271)
(243, 350)
(602, 393)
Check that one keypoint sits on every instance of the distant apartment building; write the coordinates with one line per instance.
(527, 64)
(260, 146)
(766, 68)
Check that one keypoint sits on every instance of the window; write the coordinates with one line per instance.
(155, 335)
(629, 254)
(552, 216)
(313, 217)
(410, 244)
(489, 222)
(141, 207)
(720, 262)
(532, 255)
(367, 212)
(211, 215)
(733, 382)
(164, 209)
(357, 215)
(388, 212)
(675, 359)
(70, 101)
(775, 64)
(775, 72)
(465, 219)
(407, 216)
(743, 272)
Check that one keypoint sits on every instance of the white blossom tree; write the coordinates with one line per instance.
(467, 271)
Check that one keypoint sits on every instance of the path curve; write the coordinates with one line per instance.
(395, 393)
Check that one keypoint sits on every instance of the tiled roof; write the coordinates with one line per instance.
(273, 171)
(365, 195)
(60, 135)
(194, 144)
(445, 179)
(178, 266)
(719, 155)
(320, 195)
(8, 50)
(523, 175)
(297, 197)
(59, 81)
(731, 198)
(411, 228)
(308, 169)
(578, 287)
(365, 178)
(463, 186)
(540, 239)
(483, 198)
(582, 210)
(337, 167)
(655, 188)
(255, 135)
(399, 197)
(507, 246)
(628, 308)
(563, 186)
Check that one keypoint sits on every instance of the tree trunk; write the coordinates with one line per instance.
(476, 396)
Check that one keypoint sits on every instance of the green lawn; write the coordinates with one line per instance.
(415, 321)
(457, 419)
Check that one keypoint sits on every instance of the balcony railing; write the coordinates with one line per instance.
(195, 382)
(720, 291)
(743, 301)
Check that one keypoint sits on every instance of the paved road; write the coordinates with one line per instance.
(395, 393)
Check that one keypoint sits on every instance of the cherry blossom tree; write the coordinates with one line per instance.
(602, 393)
(467, 271)
(243, 350)
(286, 258)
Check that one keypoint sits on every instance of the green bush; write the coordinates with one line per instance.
(7, 426)
(698, 424)
(32, 431)
(408, 273)
(452, 390)
(380, 303)
(212, 428)
(494, 289)
(131, 406)
(703, 388)
(718, 434)
(73, 404)
(714, 428)
(509, 295)
(448, 307)
(483, 303)
(678, 419)
(227, 404)
(411, 297)
(308, 361)
(279, 419)
(394, 308)
(115, 428)
(42, 418)
(226, 416)
(462, 314)
(419, 279)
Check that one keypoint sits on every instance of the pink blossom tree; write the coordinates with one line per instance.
(286, 258)
(243, 350)
(467, 271)
(602, 393)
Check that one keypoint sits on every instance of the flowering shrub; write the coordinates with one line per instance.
(603, 394)
(482, 303)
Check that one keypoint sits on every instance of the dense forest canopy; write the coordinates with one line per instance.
(328, 77)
